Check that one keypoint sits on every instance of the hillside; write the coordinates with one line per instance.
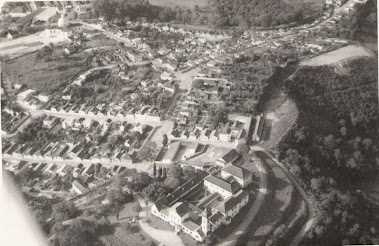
(334, 145)
(268, 13)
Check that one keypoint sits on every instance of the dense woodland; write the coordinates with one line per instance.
(268, 13)
(333, 145)
(249, 75)
(219, 13)
(361, 21)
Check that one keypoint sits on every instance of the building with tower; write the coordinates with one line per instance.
(223, 201)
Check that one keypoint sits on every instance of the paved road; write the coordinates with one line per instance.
(232, 239)
(308, 225)
(138, 166)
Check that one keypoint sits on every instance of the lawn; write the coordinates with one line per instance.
(123, 237)
(43, 75)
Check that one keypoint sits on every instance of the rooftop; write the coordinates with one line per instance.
(230, 187)
(236, 171)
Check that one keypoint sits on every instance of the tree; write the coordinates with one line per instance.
(189, 173)
(172, 182)
(243, 150)
(154, 170)
(155, 191)
(343, 131)
(64, 211)
(160, 172)
(146, 151)
(176, 171)
(330, 141)
(117, 196)
(165, 140)
(164, 175)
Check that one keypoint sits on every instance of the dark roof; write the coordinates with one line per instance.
(230, 156)
(204, 201)
(33, 150)
(64, 150)
(44, 151)
(215, 217)
(11, 150)
(238, 172)
(29, 17)
(21, 164)
(77, 148)
(181, 209)
(231, 202)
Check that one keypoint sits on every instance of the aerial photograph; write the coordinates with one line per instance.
(190, 122)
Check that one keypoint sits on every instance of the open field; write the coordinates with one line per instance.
(181, 3)
(279, 121)
(45, 75)
(26, 44)
(338, 55)
(122, 237)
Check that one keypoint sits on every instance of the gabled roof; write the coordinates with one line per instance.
(238, 172)
(215, 217)
(180, 208)
(191, 225)
(230, 156)
(231, 202)
(221, 183)
(79, 186)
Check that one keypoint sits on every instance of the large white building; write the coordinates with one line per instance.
(223, 203)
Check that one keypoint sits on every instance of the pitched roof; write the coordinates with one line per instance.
(180, 208)
(215, 217)
(230, 156)
(191, 225)
(79, 186)
(221, 183)
(236, 171)
(231, 202)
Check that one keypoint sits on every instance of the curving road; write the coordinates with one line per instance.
(262, 191)
(311, 214)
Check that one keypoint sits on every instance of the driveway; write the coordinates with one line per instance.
(167, 238)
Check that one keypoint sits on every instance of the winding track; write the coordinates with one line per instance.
(311, 210)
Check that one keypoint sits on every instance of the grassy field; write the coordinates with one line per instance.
(45, 75)
(122, 237)
(181, 3)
